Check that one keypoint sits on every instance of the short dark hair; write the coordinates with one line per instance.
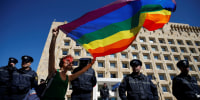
(135, 63)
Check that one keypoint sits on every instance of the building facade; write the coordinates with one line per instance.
(158, 50)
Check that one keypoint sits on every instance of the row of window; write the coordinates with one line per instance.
(161, 76)
(165, 49)
(169, 41)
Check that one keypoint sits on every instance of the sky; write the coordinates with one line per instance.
(25, 24)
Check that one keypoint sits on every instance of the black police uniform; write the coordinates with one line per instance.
(104, 92)
(83, 85)
(23, 81)
(6, 76)
(138, 87)
(184, 86)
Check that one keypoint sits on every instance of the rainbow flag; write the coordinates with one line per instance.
(114, 27)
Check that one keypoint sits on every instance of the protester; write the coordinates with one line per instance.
(137, 85)
(83, 85)
(104, 92)
(24, 80)
(185, 87)
(59, 84)
(6, 76)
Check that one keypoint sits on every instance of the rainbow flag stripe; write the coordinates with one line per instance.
(113, 28)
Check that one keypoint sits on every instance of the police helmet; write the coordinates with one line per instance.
(12, 60)
(27, 59)
(84, 61)
(135, 63)
(183, 63)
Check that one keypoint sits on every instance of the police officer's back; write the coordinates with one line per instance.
(184, 86)
(24, 79)
(137, 85)
(83, 85)
(6, 76)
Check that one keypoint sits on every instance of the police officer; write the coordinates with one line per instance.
(184, 86)
(104, 92)
(83, 85)
(24, 80)
(6, 73)
(137, 85)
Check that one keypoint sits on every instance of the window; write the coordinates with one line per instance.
(112, 65)
(154, 48)
(142, 39)
(197, 43)
(180, 42)
(112, 75)
(146, 56)
(167, 57)
(192, 50)
(144, 47)
(88, 54)
(173, 49)
(172, 76)
(189, 42)
(156, 57)
(66, 43)
(77, 53)
(199, 67)
(65, 52)
(150, 76)
(135, 56)
(100, 64)
(77, 44)
(148, 66)
(124, 65)
(112, 56)
(176, 58)
(152, 40)
(159, 66)
(124, 75)
(187, 58)
(161, 40)
(164, 48)
(191, 67)
(169, 67)
(183, 50)
(161, 77)
(100, 75)
(164, 88)
(170, 41)
(124, 55)
(134, 47)
(196, 59)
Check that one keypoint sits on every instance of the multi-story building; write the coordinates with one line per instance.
(159, 51)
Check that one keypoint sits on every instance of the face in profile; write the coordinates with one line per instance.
(184, 70)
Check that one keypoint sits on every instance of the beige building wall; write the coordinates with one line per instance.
(158, 50)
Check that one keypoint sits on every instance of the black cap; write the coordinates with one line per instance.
(135, 63)
(27, 59)
(183, 63)
(12, 60)
(85, 59)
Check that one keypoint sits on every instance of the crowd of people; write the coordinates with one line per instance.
(22, 84)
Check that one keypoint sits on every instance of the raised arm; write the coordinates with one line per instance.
(75, 75)
(51, 66)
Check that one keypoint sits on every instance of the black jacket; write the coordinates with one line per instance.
(185, 87)
(104, 92)
(138, 87)
(85, 82)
